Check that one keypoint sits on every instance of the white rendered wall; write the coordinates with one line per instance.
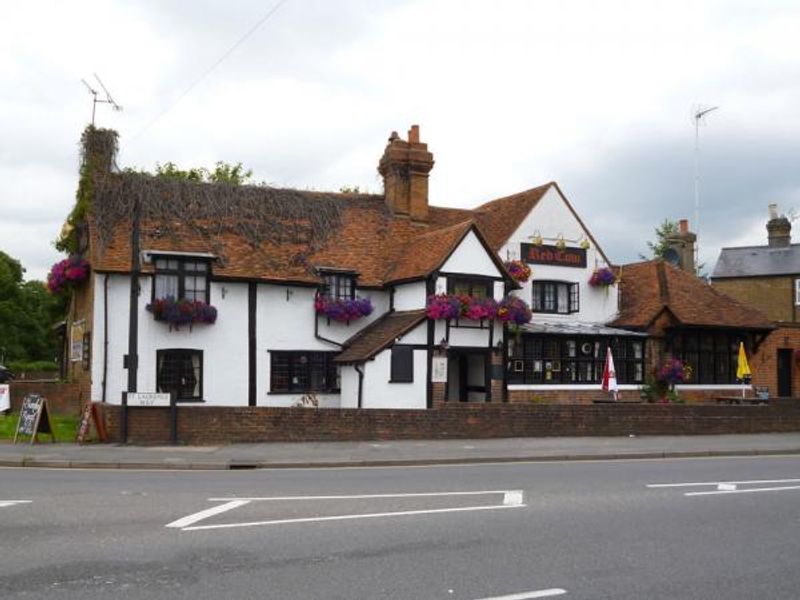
(470, 257)
(410, 296)
(285, 318)
(224, 344)
(379, 393)
(467, 336)
(551, 217)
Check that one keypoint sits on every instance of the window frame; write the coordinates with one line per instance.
(182, 274)
(541, 285)
(330, 371)
(401, 373)
(700, 348)
(200, 375)
(486, 284)
(333, 285)
(570, 363)
(797, 292)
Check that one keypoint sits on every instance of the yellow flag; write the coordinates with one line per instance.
(742, 368)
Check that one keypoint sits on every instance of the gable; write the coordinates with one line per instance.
(471, 256)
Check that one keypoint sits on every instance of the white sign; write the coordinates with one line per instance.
(5, 397)
(439, 369)
(148, 399)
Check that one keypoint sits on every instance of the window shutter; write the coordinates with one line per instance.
(402, 364)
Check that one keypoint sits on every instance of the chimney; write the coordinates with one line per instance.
(779, 229)
(99, 149)
(404, 167)
(682, 243)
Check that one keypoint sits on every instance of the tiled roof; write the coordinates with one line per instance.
(650, 288)
(757, 261)
(366, 237)
(378, 335)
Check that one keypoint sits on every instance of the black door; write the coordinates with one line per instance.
(784, 373)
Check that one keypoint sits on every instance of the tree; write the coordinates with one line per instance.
(667, 229)
(27, 314)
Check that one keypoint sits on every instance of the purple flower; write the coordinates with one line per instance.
(182, 312)
(343, 309)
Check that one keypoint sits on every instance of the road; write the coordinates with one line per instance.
(573, 530)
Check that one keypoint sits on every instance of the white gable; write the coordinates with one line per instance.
(552, 218)
(470, 256)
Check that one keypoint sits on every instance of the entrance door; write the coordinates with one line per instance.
(784, 373)
(466, 376)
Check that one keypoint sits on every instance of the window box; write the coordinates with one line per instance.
(182, 312)
(343, 310)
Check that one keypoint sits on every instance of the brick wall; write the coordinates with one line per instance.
(62, 398)
(764, 363)
(221, 425)
(773, 296)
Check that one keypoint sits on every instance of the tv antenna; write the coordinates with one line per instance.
(698, 114)
(96, 100)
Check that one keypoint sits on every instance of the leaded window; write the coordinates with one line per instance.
(180, 371)
(181, 279)
(300, 371)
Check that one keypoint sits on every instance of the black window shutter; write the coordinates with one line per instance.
(402, 364)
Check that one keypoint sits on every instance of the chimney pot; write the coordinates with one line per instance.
(683, 225)
(773, 211)
(413, 134)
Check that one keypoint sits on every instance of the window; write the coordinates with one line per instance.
(182, 279)
(559, 297)
(402, 370)
(339, 285)
(469, 286)
(298, 371)
(566, 360)
(797, 292)
(180, 371)
(712, 355)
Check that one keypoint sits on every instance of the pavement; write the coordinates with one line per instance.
(389, 453)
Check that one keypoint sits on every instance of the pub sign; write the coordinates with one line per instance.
(553, 255)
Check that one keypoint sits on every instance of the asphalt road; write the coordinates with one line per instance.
(573, 530)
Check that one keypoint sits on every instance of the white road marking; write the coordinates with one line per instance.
(7, 503)
(511, 499)
(726, 487)
(530, 595)
(748, 491)
(369, 496)
(351, 517)
(716, 483)
(204, 514)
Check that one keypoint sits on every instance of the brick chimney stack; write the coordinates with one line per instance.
(779, 229)
(683, 243)
(404, 167)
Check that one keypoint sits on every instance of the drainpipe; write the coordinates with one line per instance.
(319, 337)
(105, 334)
(360, 372)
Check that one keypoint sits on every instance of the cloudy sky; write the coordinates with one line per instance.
(595, 95)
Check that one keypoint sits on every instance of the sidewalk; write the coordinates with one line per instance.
(406, 452)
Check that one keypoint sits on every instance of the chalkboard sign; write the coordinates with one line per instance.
(91, 413)
(34, 418)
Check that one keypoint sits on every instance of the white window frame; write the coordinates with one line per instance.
(797, 292)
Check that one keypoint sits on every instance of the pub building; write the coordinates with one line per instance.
(259, 296)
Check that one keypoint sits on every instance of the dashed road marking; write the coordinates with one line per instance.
(7, 503)
(731, 487)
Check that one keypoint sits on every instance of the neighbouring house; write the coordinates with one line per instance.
(767, 277)
(252, 295)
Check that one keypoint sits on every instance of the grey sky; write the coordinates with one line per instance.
(595, 95)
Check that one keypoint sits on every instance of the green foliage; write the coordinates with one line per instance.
(350, 189)
(222, 173)
(663, 232)
(26, 366)
(27, 313)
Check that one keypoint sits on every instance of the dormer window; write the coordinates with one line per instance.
(181, 278)
(338, 286)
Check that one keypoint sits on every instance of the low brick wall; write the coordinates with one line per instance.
(218, 425)
(62, 398)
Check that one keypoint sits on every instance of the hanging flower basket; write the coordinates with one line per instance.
(343, 310)
(449, 306)
(443, 307)
(65, 274)
(602, 278)
(519, 270)
(182, 312)
(514, 310)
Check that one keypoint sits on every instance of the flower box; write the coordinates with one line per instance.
(182, 312)
(343, 310)
(447, 307)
